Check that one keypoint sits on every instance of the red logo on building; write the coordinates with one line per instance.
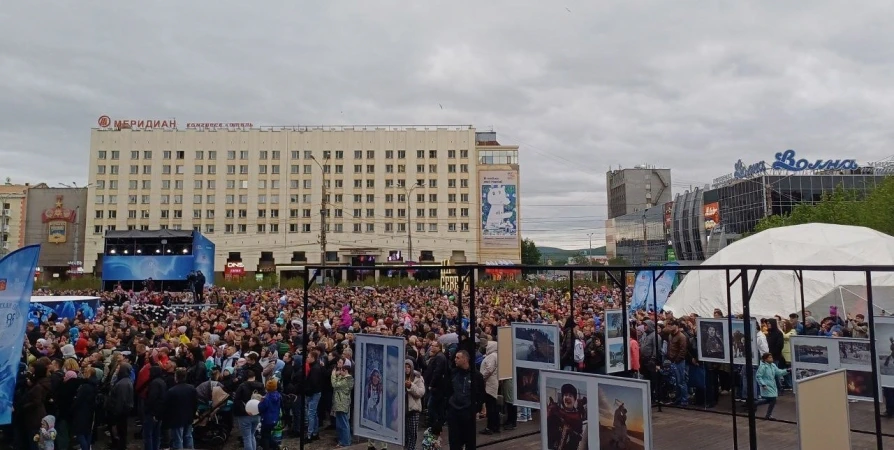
(104, 121)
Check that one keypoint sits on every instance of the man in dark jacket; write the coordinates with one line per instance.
(566, 355)
(436, 380)
(247, 423)
(465, 400)
(200, 287)
(313, 390)
(153, 408)
(118, 406)
(180, 405)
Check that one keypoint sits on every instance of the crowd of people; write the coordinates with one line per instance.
(146, 360)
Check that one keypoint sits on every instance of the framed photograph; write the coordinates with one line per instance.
(713, 340)
(854, 354)
(614, 326)
(614, 342)
(884, 349)
(811, 352)
(379, 388)
(813, 355)
(860, 385)
(624, 414)
(568, 404)
(535, 347)
(737, 334)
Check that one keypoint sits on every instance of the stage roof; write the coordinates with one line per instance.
(153, 234)
(60, 298)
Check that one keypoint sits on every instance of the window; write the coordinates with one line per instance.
(97, 229)
(197, 199)
(358, 154)
(389, 154)
(464, 183)
(401, 168)
(305, 228)
(274, 228)
(432, 227)
(401, 227)
(165, 213)
(243, 213)
(199, 154)
(370, 183)
(99, 214)
(243, 154)
(131, 199)
(451, 168)
(306, 184)
(370, 228)
(209, 199)
(230, 199)
(134, 155)
(100, 199)
(212, 154)
(165, 199)
(209, 228)
(100, 184)
(228, 228)
(451, 183)
(132, 184)
(115, 154)
(401, 198)
(178, 199)
(389, 212)
(262, 169)
(243, 169)
(433, 154)
(262, 155)
(275, 155)
(464, 198)
(358, 168)
(358, 227)
(464, 168)
(464, 226)
(212, 170)
(420, 198)
(113, 170)
(181, 154)
(178, 184)
(339, 154)
(370, 212)
(101, 170)
(230, 213)
(463, 153)
(370, 168)
(432, 183)
(451, 212)
(305, 213)
(178, 213)
(420, 212)
(134, 169)
(451, 154)
(243, 199)
(420, 168)
(262, 228)
(420, 227)
(389, 183)
(101, 154)
(389, 227)
(432, 168)
(198, 169)
(338, 212)
(339, 168)
(209, 213)
(262, 199)
(197, 185)
(451, 198)
(242, 228)
(433, 212)
(451, 227)
(358, 184)
(357, 213)
(293, 228)
(197, 214)
(147, 170)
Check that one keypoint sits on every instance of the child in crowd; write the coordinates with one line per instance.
(766, 376)
(47, 434)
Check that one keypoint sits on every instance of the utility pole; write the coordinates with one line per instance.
(590, 256)
(323, 203)
(645, 241)
(74, 256)
(409, 223)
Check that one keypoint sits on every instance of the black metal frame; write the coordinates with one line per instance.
(466, 274)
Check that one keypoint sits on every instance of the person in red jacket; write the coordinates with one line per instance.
(81, 345)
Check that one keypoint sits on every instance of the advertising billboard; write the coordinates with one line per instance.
(137, 268)
(203, 252)
(499, 208)
(712, 215)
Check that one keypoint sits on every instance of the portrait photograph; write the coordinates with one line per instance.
(536, 344)
(614, 326)
(565, 407)
(624, 414)
(855, 353)
(884, 349)
(527, 387)
(737, 334)
(379, 393)
(712, 346)
(859, 384)
(811, 353)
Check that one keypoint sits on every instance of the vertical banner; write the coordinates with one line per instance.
(642, 289)
(379, 390)
(499, 208)
(16, 283)
(203, 252)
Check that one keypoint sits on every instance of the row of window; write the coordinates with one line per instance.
(307, 169)
(273, 184)
(275, 154)
(273, 228)
(262, 199)
(274, 213)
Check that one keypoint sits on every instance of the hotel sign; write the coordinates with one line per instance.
(106, 122)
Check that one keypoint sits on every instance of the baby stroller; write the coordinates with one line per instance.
(667, 389)
(213, 426)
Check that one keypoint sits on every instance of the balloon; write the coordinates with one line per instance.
(251, 407)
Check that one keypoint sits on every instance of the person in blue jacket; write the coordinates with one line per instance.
(269, 411)
(766, 376)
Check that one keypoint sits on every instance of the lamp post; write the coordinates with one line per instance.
(78, 261)
(590, 255)
(408, 192)
(323, 203)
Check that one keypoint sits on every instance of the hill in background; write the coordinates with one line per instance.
(560, 255)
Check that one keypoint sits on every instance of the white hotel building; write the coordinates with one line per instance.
(256, 192)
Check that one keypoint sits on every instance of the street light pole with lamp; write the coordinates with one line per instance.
(590, 255)
(409, 192)
(323, 203)
(75, 260)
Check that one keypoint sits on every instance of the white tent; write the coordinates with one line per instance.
(778, 292)
(852, 300)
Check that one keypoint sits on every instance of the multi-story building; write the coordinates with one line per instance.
(689, 234)
(636, 189)
(55, 219)
(639, 238)
(13, 204)
(268, 196)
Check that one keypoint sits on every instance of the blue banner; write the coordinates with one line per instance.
(65, 309)
(642, 287)
(138, 268)
(203, 252)
(16, 283)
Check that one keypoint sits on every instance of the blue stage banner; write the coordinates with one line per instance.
(642, 288)
(203, 252)
(16, 283)
(64, 309)
(138, 268)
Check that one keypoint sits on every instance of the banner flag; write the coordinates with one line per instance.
(643, 297)
(16, 283)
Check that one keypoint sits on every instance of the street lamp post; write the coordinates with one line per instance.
(590, 255)
(323, 203)
(409, 228)
(74, 185)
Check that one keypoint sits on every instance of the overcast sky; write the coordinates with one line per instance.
(581, 86)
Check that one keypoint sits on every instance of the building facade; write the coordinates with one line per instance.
(640, 238)
(636, 189)
(277, 196)
(13, 204)
(688, 231)
(55, 220)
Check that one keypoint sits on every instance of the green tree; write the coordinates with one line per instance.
(842, 207)
(530, 255)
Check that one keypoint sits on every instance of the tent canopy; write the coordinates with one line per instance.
(853, 300)
(778, 292)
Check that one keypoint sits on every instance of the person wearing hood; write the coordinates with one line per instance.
(269, 409)
(33, 403)
(180, 405)
(566, 356)
(649, 357)
(342, 386)
(64, 396)
(153, 408)
(415, 387)
(490, 373)
(46, 436)
(83, 408)
(118, 405)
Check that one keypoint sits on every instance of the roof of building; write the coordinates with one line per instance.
(149, 234)
(18, 188)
